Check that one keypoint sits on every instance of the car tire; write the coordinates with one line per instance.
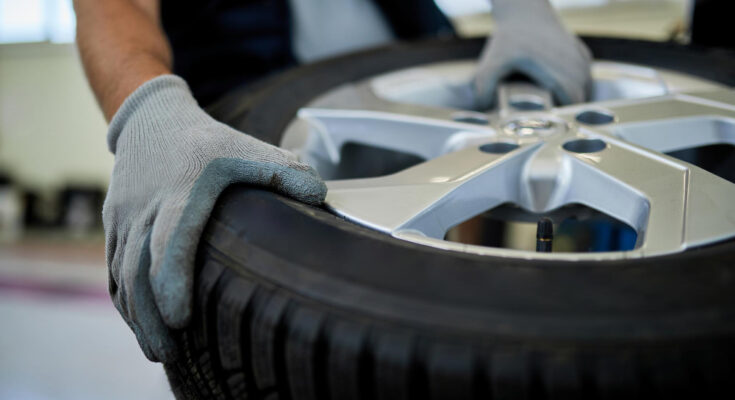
(293, 302)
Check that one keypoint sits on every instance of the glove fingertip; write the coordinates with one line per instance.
(166, 350)
(175, 311)
(303, 185)
(148, 352)
(143, 344)
(179, 319)
(172, 292)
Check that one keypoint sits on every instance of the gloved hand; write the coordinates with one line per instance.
(529, 39)
(171, 162)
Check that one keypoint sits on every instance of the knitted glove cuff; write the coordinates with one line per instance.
(162, 104)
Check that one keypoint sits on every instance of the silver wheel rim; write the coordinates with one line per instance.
(606, 154)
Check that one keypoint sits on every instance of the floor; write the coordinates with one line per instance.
(60, 336)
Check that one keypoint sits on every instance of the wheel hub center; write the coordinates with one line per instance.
(531, 126)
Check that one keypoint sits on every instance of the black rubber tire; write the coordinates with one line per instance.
(292, 302)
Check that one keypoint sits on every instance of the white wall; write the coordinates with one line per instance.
(51, 130)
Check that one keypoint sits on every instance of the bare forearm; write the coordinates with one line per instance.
(122, 46)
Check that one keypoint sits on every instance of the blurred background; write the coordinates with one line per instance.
(61, 337)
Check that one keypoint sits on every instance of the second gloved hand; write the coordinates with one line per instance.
(529, 40)
(172, 161)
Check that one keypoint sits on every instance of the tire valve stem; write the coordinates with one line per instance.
(544, 235)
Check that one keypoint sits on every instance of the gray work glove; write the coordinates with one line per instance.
(172, 160)
(529, 40)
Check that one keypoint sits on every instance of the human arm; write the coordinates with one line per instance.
(122, 46)
(172, 160)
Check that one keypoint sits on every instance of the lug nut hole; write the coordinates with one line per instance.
(585, 146)
(498, 147)
(595, 117)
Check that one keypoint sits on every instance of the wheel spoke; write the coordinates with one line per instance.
(668, 123)
(674, 106)
(433, 196)
(710, 208)
(545, 178)
(424, 137)
(655, 194)
(354, 114)
(672, 135)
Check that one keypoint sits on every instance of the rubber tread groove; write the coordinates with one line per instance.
(279, 354)
(496, 373)
(216, 370)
